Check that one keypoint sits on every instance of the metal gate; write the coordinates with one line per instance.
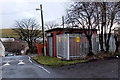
(78, 45)
(62, 46)
(50, 46)
(112, 43)
(95, 43)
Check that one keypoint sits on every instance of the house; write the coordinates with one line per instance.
(2, 49)
(7, 39)
(14, 45)
(70, 43)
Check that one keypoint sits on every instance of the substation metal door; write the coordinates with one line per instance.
(50, 46)
(74, 45)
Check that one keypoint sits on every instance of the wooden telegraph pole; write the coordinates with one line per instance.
(43, 33)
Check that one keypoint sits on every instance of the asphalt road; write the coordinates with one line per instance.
(24, 67)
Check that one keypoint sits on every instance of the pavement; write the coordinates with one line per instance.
(25, 67)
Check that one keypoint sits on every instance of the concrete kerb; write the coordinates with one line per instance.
(37, 64)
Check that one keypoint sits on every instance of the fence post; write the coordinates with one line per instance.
(57, 45)
(68, 54)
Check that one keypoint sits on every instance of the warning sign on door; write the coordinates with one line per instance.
(59, 39)
(77, 39)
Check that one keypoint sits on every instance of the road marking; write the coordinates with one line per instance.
(30, 59)
(44, 69)
(7, 64)
(21, 62)
(39, 66)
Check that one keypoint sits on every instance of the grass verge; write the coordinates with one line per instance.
(55, 62)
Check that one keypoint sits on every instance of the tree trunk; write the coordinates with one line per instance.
(103, 27)
(109, 34)
(116, 43)
(90, 48)
(90, 45)
(107, 44)
(30, 47)
(104, 24)
(107, 47)
(101, 42)
(101, 36)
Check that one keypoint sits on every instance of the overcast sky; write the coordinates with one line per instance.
(12, 10)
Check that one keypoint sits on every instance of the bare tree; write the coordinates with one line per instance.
(95, 15)
(114, 11)
(28, 30)
(101, 21)
(82, 14)
(51, 25)
(107, 13)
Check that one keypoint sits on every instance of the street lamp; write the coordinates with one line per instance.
(43, 33)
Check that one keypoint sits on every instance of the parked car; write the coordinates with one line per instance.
(10, 54)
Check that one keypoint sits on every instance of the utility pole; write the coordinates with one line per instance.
(43, 33)
(63, 21)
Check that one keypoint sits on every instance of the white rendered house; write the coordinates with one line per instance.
(2, 49)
